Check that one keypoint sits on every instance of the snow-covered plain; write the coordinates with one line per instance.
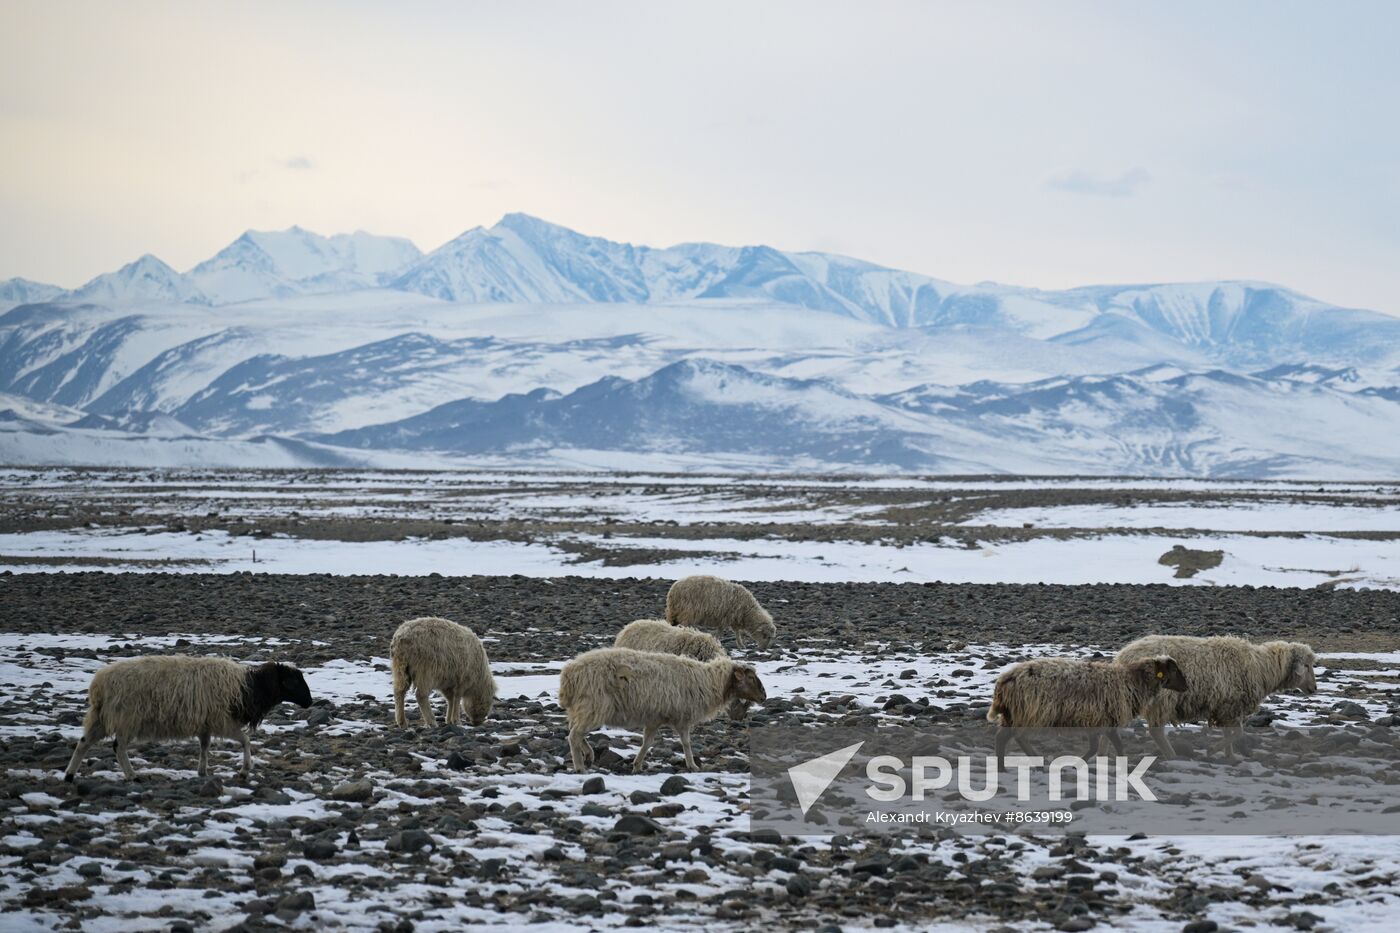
(1269, 534)
(1254, 561)
(1216, 516)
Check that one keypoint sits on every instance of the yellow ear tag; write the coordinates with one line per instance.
(1160, 675)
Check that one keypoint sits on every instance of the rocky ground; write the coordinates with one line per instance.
(349, 822)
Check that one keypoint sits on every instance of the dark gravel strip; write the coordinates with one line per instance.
(552, 618)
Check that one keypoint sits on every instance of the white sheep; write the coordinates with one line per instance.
(662, 636)
(1067, 693)
(177, 697)
(659, 635)
(645, 690)
(437, 654)
(1229, 678)
(708, 602)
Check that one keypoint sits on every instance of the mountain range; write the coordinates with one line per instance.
(526, 341)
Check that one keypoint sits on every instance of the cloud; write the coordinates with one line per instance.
(296, 163)
(1078, 181)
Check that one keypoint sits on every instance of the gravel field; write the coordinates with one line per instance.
(348, 822)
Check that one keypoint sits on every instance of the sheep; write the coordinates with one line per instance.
(1229, 678)
(176, 697)
(437, 654)
(707, 602)
(659, 635)
(645, 690)
(1065, 693)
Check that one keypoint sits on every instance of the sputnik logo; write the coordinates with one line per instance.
(811, 778)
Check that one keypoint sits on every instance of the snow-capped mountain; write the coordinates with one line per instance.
(145, 280)
(524, 260)
(295, 261)
(526, 339)
(19, 291)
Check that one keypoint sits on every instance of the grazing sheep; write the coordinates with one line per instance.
(1065, 693)
(1229, 678)
(176, 697)
(707, 602)
(436, 654)
(645, 690)
(658, 635)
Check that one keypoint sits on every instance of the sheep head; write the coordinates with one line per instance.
(478, 712)
(1300, 674)
(764, 629)
(285, 683)
(1166, 672)
(745, 685)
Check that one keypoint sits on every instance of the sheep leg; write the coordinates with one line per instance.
(1004, 736)
(1228, 735)
(1117, 741)
(204, 754)
(579, 751)
(453, 705)
(119, 746)
(400, 718)
(84, 744)
(247, 768)
(689, 752)
(425, 707)
(648, 736)
(1095, 743)
(1164, 744)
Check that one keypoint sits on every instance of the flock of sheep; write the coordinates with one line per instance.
(1161, 678)
(673, 673)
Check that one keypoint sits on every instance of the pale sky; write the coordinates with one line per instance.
(1046, 144)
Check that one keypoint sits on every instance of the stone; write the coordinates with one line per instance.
(353, 791)
(409, 840)
(673, 785)
(634, 824)
(296, 903)
(319, 849)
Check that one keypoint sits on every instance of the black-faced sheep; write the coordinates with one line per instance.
(1229, 678)
(437, 654)
(658, 635)
(708, 602)
(1065, 693)
(177, 697)
(645, 690)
